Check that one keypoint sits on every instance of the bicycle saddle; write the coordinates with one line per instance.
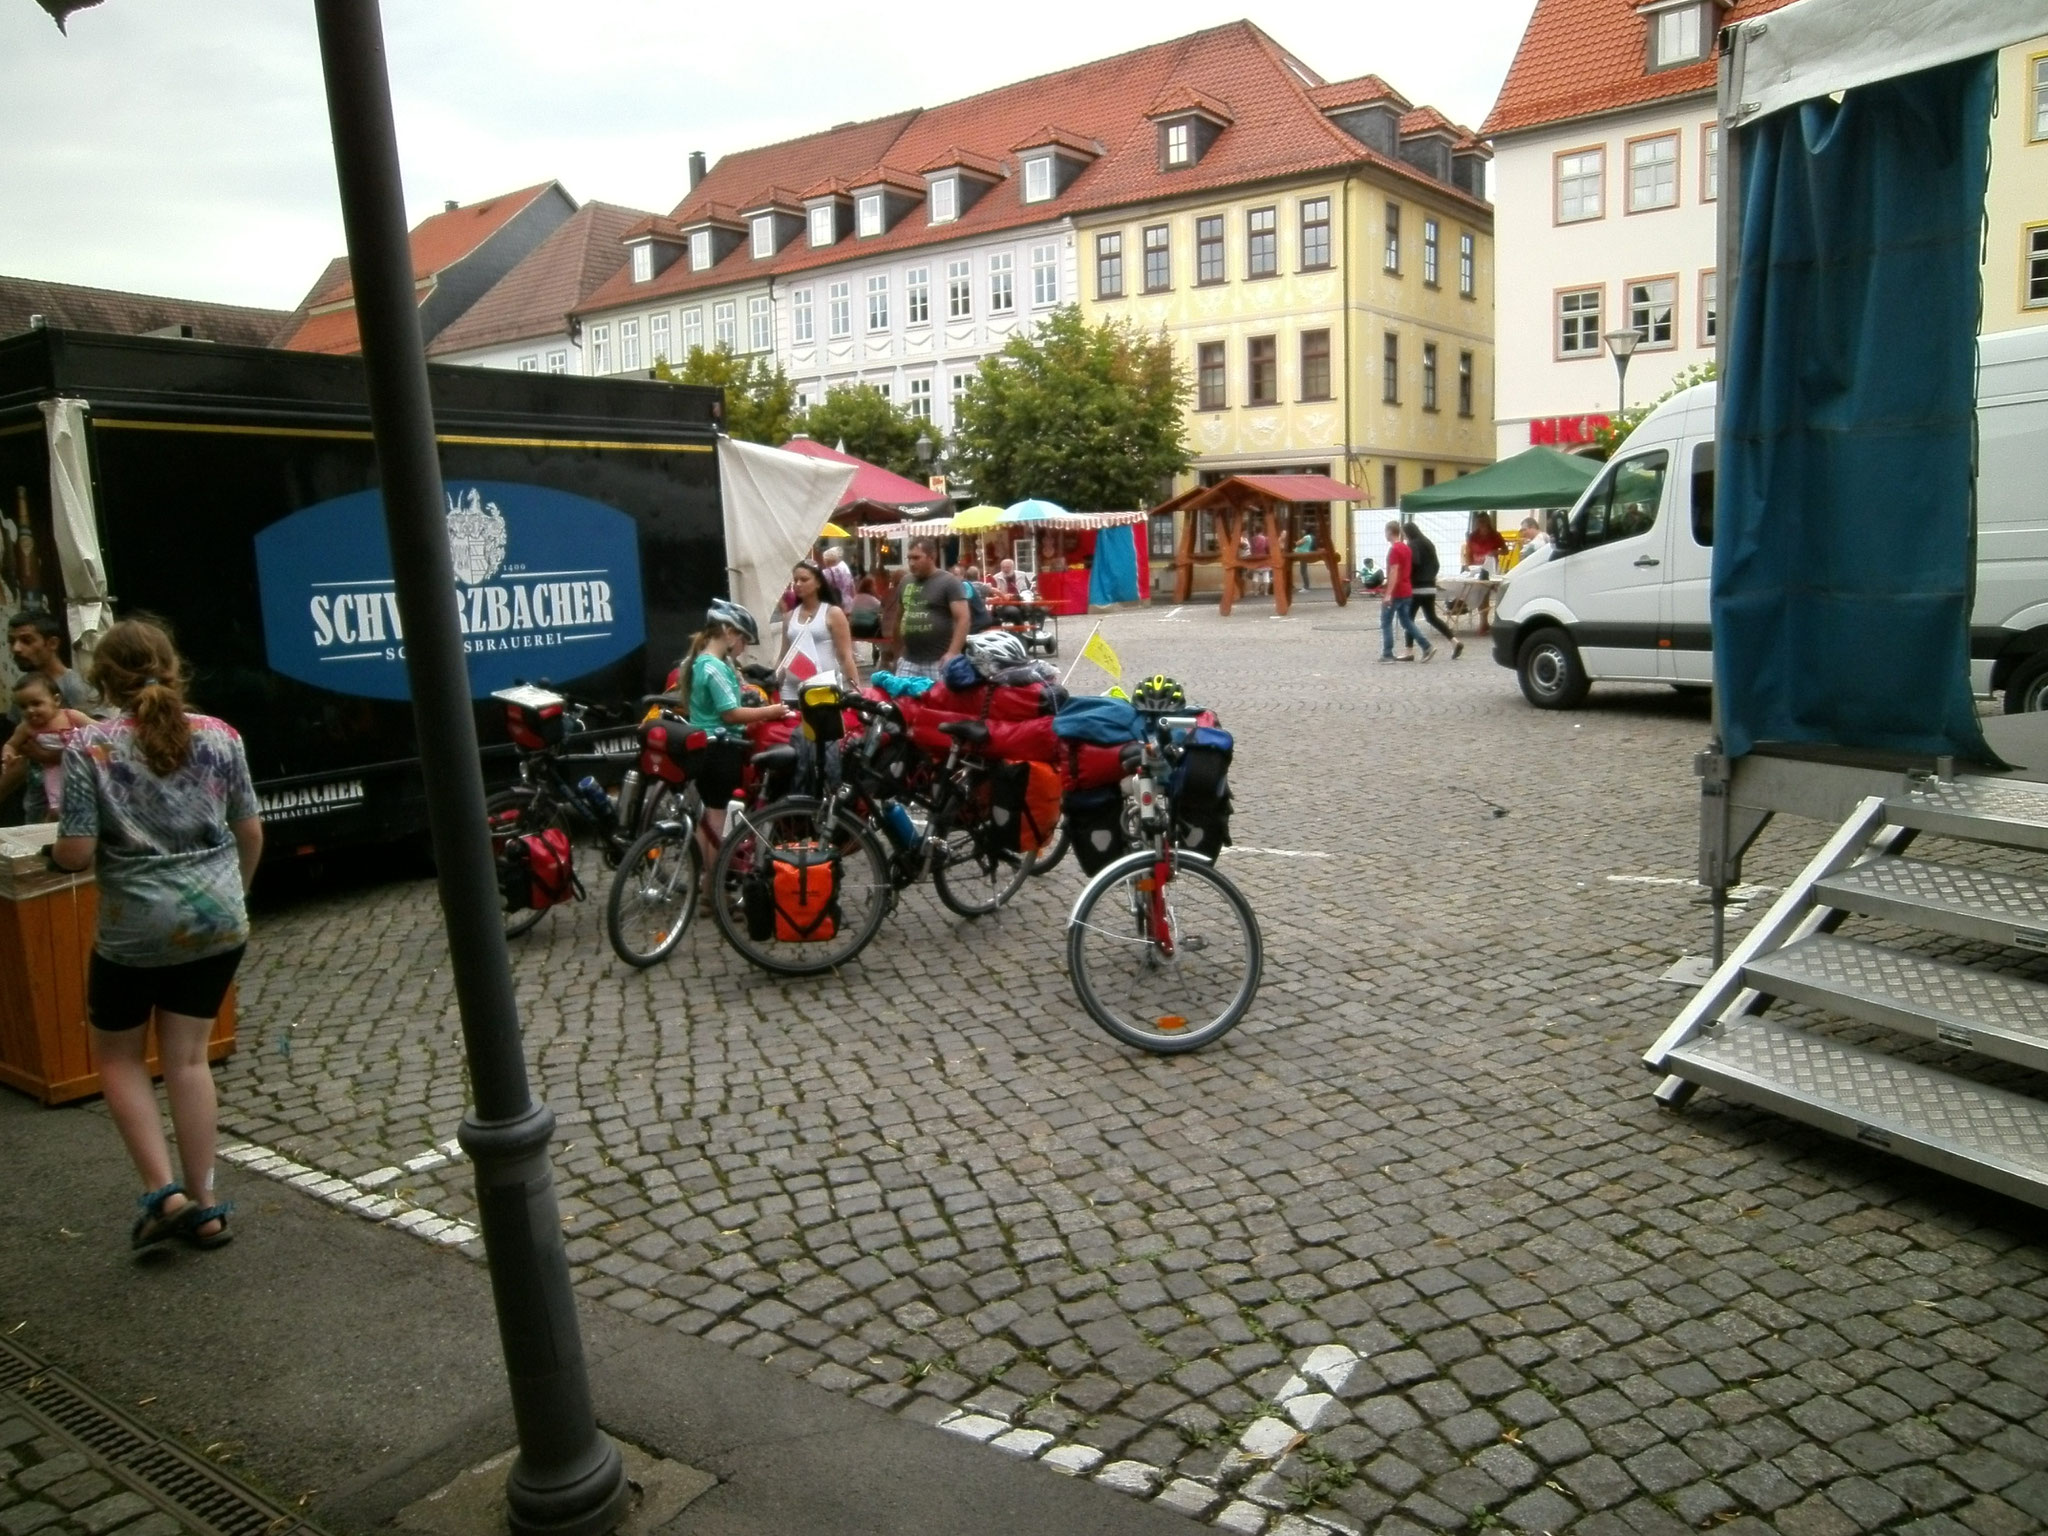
(970, 731)
(775, 759)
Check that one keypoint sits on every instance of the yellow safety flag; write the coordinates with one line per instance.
(1097, 650)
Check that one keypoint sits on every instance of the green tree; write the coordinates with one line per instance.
(861, 417)
(1089, 417)
(1611, 436)
(760, 402)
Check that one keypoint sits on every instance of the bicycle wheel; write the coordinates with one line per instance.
(654, 894)
(1164, 993)
(974, 876)
(515, 812)
(743, 891)
(1054, 851)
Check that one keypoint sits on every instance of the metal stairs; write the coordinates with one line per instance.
(1991, 1136)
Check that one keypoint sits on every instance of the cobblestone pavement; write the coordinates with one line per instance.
(1413, 1248)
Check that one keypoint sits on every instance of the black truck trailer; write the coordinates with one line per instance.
(233, 492)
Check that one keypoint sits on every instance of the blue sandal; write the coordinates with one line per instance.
(153, 1225)
(193, 1217)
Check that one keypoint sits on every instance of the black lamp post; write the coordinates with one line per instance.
(568, 1479)
(923, 449)
(1622, 343)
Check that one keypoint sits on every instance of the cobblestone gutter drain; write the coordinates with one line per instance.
(200, 1497)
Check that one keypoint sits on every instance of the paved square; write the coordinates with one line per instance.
(1412, 1248)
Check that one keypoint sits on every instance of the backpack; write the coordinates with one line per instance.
(1026, 805)
(1102, 720)
(535, 871)
(798, 896)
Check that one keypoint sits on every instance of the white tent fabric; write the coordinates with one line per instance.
(1816, 47)
(72, 522)
(775, 505)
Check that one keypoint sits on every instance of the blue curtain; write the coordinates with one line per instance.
(1113, 578)
(1845, 545)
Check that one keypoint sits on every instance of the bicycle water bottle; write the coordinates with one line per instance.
(595, 800)
(630, 790)
(901, 829)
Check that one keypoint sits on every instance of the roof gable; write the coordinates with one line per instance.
(535, 297)
(1582, 57)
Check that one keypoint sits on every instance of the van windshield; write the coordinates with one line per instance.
(1622, 503)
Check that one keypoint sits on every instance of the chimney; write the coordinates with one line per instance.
(696, 168)
(450, 206)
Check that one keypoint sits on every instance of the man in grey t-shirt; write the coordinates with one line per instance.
(931, 621)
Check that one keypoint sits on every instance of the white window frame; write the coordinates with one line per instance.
(878, 301)
(1045, 276)
(1710, 162)
(1644, 301)
(867, 215)
(1038, 179)
(1432, 251)
(725, 325)
(658, 332)
(918, 397)
(643, 262)
(883, 387)
(960, 289)
(530, 363)
(824, 225)
(600, 349)
(956, 390)
(945, 200)
(1468, 264)
(1653, 172)
(2037, 91)
(1710, 306)
(1580, 185)
(700, 250)
(2034, 266)
(1180, 144)
(1678, 36)
(557, 361)
(802, 318)
(763, 236)
(693, 330)
(839, 311)
(1390, 255)
(629, 345)
(1002, 283)
(1586, 334)
(917, 296)
(760, 324)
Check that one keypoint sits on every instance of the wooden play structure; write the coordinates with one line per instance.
(1283, 507)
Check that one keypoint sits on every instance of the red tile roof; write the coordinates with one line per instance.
(1277, 129)
(1339, 94)
(1182, 97)
(1429, 120)
(966, 160)
(1050, 137)
(535, 297)
(438, 243)
(890, 176)
(1580, 57)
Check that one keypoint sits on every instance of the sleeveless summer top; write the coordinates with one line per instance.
(809, 651)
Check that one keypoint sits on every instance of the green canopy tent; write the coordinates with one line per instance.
(1539, 477)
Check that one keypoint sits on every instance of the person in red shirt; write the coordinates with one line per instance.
(1397, 598)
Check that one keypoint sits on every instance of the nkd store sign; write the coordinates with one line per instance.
(547, 584)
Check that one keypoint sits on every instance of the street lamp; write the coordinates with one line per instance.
(1622, 343)
(923, 449)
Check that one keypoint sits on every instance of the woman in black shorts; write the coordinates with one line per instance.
(157, 801)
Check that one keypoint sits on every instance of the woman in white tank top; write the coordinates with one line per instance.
(817, 634)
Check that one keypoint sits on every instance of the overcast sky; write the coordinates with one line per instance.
(180, 146)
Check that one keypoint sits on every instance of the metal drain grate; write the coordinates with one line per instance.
(204, 1495)
(15, 1367)
(82, 1419)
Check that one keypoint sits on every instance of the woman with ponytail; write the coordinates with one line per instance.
(157, 802)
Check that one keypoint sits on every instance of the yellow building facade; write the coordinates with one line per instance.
(2016, 199)
(1340, 323)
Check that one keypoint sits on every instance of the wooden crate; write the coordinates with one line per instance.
(46, 933)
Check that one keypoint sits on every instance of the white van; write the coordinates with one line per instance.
(1623, 596)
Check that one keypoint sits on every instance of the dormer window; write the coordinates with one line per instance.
(867, 215)
(945, 200)
(1038, 179)
(643, 262)
(1180, 144)
(764, 236)
(1678, 36)
(824, 225)
(700, 251)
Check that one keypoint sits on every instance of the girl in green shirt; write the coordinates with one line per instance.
(716, 706)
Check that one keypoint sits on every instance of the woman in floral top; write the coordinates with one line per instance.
(158, 803)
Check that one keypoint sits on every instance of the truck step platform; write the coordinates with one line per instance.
(1986, 1135)
(1969, 902)
(2012, 813)
(1991, 1012)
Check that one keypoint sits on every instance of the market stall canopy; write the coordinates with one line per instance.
(977, 519)
(1032, 511)
(1825, 47)
(833, 531)
(1537, 477)
(1241, 490)
(871, 482)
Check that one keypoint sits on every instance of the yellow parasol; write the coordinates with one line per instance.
(833, 531)
(978, 519)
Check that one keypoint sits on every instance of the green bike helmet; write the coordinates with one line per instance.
(1159, 692)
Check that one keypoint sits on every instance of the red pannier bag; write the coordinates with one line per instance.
(535, 871)
(806, 881)
(1083, 765)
